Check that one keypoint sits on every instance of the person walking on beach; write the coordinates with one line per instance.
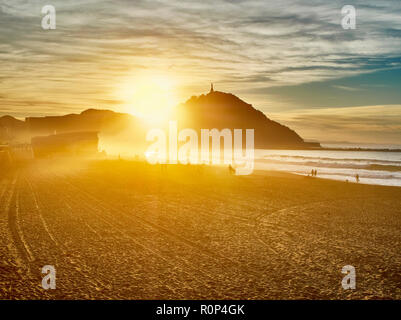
(357, 178)
(231, 169)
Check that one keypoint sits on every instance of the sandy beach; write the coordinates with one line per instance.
(129, 230)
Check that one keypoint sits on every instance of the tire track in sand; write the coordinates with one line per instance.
(99, 208)
(149, 224)
(80, 267)
(14, 225)
(113, 224)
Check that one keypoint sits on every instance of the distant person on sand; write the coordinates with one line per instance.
(231, 170)
(357, 178)
(200, 169)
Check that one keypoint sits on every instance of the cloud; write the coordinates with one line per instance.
(247, 47)
(346, 88)
(372, 124)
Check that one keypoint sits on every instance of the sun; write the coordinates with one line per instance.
(149, 96)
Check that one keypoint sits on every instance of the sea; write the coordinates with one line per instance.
(372, 166)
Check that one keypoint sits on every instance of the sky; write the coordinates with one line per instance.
(290, 59)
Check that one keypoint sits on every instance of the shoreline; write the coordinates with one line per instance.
(335, 149)
(291, 174)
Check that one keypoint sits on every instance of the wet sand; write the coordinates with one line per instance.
(126, 230)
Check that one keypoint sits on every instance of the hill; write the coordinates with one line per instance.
(214, 110)
(12, 129)
(224, 110)
(88, 120)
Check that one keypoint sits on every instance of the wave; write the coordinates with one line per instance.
(373, 167)
(361, 175)
(349, 165)
(370, 161)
